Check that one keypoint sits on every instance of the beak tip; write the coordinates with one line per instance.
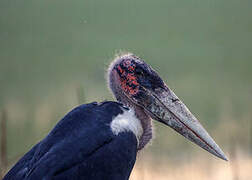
(212, 147)
(221, 155)
(224, 157)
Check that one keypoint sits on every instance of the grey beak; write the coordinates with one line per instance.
(164, 106)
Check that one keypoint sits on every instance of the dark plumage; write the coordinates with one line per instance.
(79, 147)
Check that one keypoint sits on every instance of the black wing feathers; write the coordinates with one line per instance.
(81, 146)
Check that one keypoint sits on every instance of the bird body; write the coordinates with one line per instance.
(93, 141)
(100, 141)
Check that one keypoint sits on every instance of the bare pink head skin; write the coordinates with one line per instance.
(136, 85)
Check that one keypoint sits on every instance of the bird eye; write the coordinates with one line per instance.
(139, 72)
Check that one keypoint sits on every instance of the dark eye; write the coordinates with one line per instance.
(139, 72)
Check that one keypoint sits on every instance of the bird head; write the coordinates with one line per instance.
(136, 84)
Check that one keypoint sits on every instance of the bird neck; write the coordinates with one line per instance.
(146, 125)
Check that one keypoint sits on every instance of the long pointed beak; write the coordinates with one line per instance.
(164, 106)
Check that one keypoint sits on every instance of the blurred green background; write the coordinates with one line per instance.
(54, 54)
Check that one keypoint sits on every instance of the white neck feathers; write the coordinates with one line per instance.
(127, 121)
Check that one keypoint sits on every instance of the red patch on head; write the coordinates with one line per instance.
(131, 68)
(128, 80)
(120, 69)
(132, 86)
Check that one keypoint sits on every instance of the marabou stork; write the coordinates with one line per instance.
(100, 141)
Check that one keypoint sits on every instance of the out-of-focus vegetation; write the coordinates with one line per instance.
(53, 56)
(195, 168)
